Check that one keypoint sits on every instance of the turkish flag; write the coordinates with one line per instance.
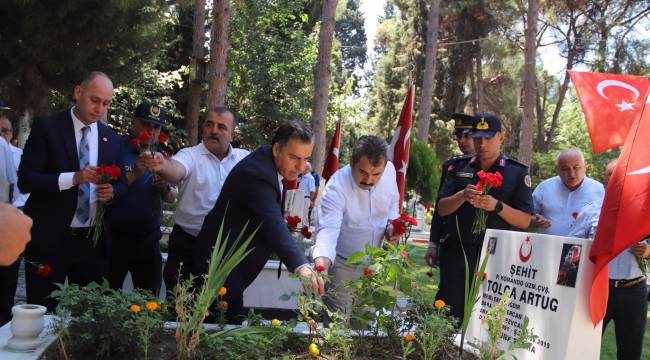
(611, 103)
(401, 143)
(624, 216)
(332, 161)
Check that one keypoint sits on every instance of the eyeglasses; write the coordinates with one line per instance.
(5, 130)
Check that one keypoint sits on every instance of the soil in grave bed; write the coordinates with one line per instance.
(163, 347)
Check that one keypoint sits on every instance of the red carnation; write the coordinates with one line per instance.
(430, 273)
(574, 214)
(144, 137)
(399, 228)
(116, 172)
(367, 272)
(100, 170)
(305, 232)
(404, 254)
(319, 268)
(44, 270)
(293, 221)
(408, 219)
(162, 137)
(135, 142)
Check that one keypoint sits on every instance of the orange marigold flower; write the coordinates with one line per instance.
(409, 337)
(135, 308)
(152, 306)
(222, 291)
(439, 304)
(223, 305)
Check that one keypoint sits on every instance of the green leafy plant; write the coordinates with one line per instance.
(192, 308)
(434, 328)
(102, 321)
(472, 285)
(494, 320)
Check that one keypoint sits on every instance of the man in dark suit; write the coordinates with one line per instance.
(58, 168)
(253, 193)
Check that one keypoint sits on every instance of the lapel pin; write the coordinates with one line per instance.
(104, 139)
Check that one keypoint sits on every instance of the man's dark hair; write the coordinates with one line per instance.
(293, 129)
(223, 110)
(372, 147)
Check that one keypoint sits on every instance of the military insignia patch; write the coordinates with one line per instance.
(482, 125)
(154, 111)
(528, 181)
(450, 168)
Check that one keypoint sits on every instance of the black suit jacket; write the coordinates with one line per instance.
(252, 193)
(50, 150)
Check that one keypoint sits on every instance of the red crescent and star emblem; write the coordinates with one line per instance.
(522, 257)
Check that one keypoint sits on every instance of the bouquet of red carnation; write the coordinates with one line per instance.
(107, 174)
(402, 225)
(487, 181)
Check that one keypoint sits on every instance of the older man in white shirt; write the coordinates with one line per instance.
(200, 172)
(357, 204)
(558, 200)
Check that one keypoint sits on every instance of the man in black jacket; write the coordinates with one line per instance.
(252, 194)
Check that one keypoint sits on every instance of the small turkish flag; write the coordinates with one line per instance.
(332, 161)
(624, 216)
(401, 143)
(611, 103)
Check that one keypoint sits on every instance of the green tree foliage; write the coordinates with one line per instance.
(572, 132)
(270, 66)
(52, 44)
(423, 173)
(351, 35)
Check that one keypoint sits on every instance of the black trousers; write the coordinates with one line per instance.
(185, 257)
(138, 254)
(452, 274)
(77, 259)
(8, 283)
(628, 308)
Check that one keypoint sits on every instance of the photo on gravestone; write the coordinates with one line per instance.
(569, 264)
(492, 245)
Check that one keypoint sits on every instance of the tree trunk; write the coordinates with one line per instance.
(560, 100)
(474, 96)
(322, 83)
(24, 127)
(526, 129)
(218, 53)
(541, 109)
(424, 114)
(480, 99)
(194, 96)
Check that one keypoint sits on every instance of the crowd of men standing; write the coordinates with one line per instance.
(216, 184)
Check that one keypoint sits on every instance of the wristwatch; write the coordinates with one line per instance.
(498, 207)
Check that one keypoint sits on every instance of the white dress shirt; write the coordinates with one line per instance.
(200, 188)
(349, 217)
(7, 170)
(19, 198)
(558, 204)
(307, 184)
(624, 266)
(65, 179)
